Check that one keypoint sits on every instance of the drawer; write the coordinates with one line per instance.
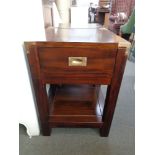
(77, 62)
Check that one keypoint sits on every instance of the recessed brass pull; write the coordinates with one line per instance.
(77, 61)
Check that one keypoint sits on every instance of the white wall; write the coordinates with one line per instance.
(76, 14)
(31, 28)
(86, 3)
(22, 21)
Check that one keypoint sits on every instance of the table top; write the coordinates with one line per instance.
(91, 33)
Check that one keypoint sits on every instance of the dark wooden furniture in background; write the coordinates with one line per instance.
(101, 13)
(75, 62)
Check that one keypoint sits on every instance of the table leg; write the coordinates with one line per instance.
(39, 91)
(112, 92)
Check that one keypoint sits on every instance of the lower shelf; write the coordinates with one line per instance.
(79, 121)
(76, 105)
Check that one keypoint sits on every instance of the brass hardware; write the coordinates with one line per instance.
(77, 61)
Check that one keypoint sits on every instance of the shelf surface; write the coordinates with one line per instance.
(75, 104)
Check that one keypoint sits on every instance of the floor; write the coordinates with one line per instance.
(86, 141)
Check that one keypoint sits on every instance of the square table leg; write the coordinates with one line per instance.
(112, 92)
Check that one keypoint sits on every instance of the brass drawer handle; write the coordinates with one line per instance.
(77, 61)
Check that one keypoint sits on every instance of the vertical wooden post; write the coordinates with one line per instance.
(39, 90)
(113, 91)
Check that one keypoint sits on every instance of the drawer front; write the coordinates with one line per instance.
(76, 62)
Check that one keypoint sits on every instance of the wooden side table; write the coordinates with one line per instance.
(75, 66)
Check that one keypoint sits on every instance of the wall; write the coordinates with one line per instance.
(31, 28)
(86, 3)
(23, 22)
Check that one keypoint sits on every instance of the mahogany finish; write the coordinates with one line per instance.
(74, 98)
(76, 104)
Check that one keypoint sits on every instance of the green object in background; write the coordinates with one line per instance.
(128, 27)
